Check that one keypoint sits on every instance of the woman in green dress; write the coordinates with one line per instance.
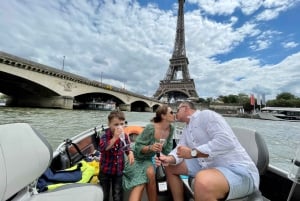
(141, 174)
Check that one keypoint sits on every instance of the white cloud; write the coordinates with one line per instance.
(224, 7)
(249, 7)
(264, 40)
(289, 45)
(131, 45)
(267, 15)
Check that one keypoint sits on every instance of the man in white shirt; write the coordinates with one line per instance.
(209, 151)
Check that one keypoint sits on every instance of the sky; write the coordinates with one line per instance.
(233, 46)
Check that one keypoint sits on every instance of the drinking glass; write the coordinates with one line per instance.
(162, 141)
(122, 138)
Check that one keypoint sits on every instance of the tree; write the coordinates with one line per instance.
(285, 96)
(233, 98)
(285, 99)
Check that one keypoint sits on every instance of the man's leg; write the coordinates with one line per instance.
(174, 181)
(210, 184)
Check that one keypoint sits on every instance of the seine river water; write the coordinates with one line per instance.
(282, 137)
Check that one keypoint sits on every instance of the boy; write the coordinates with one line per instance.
(112, 156)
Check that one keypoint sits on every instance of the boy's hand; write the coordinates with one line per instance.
(130, 158)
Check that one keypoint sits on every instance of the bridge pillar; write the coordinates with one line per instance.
(148, 109)
(125, 107)
(62, 102)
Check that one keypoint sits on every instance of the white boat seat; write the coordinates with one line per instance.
(257, 149)
(24, 156)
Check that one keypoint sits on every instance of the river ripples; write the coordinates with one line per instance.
(282, 137)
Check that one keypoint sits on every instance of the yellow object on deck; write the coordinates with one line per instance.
(96, 165)
(87, 170)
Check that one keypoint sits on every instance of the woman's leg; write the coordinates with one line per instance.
(174, 181)
(151, 185)
(136, 193)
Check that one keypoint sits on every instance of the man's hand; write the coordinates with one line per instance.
(164, 160)
(184, 152)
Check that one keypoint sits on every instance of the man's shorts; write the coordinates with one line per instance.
(240, 181)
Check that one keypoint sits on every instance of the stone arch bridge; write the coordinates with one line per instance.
(30, 84)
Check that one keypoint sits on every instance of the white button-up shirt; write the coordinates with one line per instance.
(209, 133)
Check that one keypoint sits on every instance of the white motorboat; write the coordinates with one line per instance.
(280, 113)
(25, 155)
(96, 105)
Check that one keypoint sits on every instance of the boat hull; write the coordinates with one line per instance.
(274, 185)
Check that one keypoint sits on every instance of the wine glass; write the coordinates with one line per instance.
(162, 141)
(122, 138)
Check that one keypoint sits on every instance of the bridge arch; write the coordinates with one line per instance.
(180, 94)
(44, 86)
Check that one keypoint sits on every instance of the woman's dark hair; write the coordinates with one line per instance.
(116, 114)
(162, 109)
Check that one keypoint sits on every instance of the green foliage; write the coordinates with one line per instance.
(3, 96)
(230, 99)
(284, 99)
(201, 100)
(285, 96)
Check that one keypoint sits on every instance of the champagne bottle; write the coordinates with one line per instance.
(161, 179)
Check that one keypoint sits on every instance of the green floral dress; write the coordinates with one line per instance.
(135, 174)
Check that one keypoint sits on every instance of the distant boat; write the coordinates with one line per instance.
(281, 113)
(2, 102)
(104, 106)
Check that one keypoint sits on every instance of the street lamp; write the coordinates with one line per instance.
(63, 63)
(101, 78)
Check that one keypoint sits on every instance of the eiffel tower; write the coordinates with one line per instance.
(174, 86)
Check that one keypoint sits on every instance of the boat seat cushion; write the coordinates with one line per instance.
(255, 146)
(72, 192)
(24, 156)
(258, 151)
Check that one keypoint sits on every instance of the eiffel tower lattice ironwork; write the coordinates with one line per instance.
(173, 86)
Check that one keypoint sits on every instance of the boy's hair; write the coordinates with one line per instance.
(116, 114)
